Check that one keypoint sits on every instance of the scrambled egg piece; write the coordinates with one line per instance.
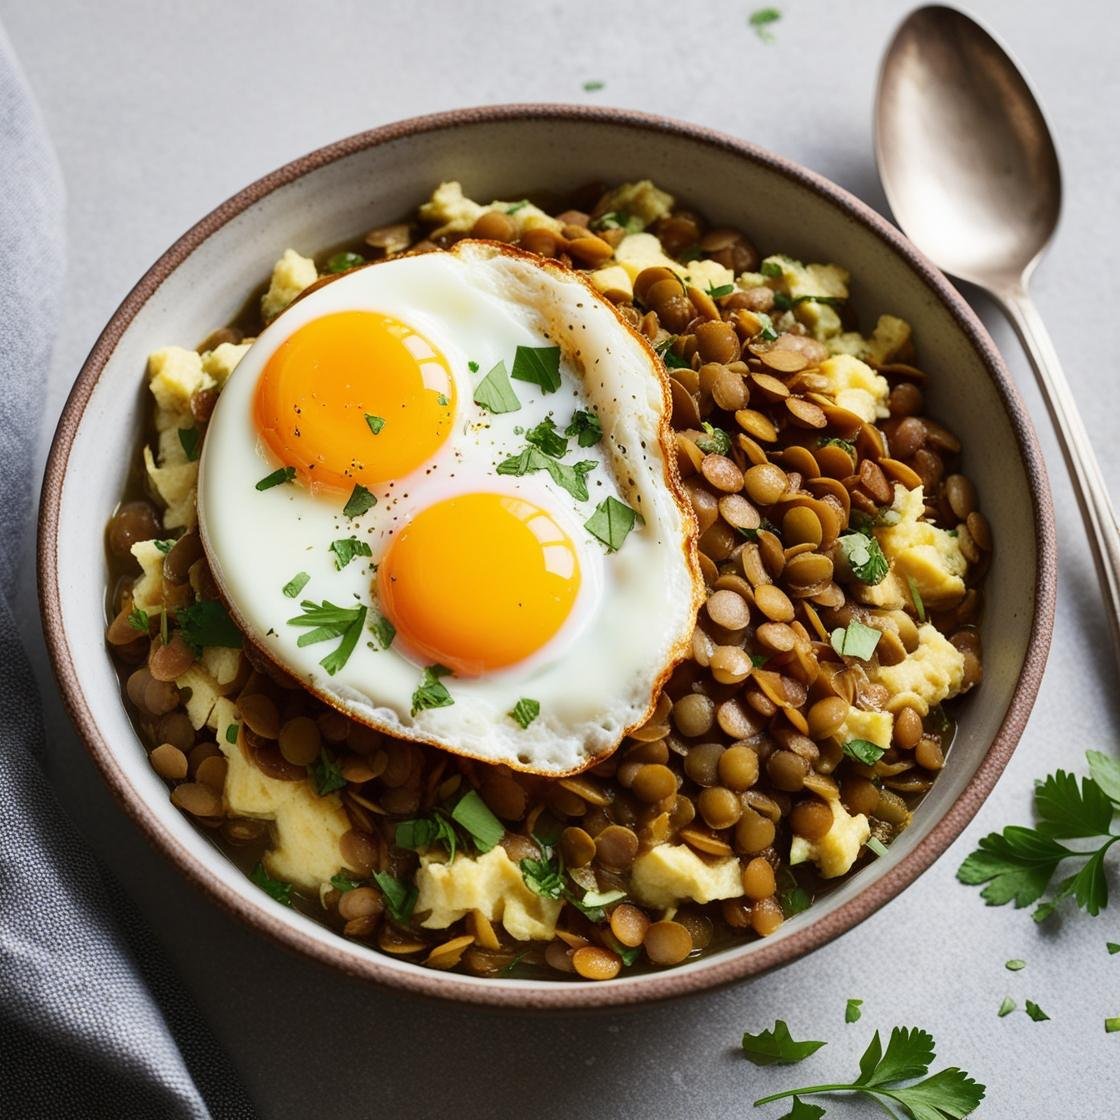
(492, 884)
(641, 200)
(220, 362)
(204, 694)
(450, 211)
(857, 387)
(612, 279)
(890, 338)
(874, 727)
(175, 374)
(290, 275)
(175, 483)
(222, 663)
(923, 552)
(307, 827)
(671, 873)
(639, 251)
(147, 591)
(836, 851)
(932, 673)
(799, 281)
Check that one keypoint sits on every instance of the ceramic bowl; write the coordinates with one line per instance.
(340, 191)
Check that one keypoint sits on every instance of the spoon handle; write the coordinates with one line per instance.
(1088, 483)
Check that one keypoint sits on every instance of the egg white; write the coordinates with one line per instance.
(636, 608)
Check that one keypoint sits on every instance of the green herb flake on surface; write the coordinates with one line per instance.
(715, 441)
(916, 598)
(845, 445)
(494, 392)
(207, 623)
(544, 876)
(375, 423)
(853, 1010)
(571, 477)
(138, 620)
(326, 774)
(1112, 1026)
(296, 584)
(343, 883)
(1035, 1012)
(593, 86)
(343, 262)
(189, 440)
(399, 897)
(1015, 965)
(515, 206)
(359, 502)
(761, 20)
(721, 291)
(442, 400)
(1006, 1007)
(431, 691)
(347, 549)
(855, 640)
(473, 815)
(611, 523)
(863, 751)
(539, 365)
(664, 351)
(421, 833)
(865, 558)
(776, 1046)
(274, 888)
(164, 546)
(1113, 947)
(231, 733)
(473, 366)
(324, 621)
(278, 477)
(585, 427)
(546, 438)
(525, 711)
(383, 630)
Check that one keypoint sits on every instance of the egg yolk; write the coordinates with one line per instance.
(478, 582)
(354, 397)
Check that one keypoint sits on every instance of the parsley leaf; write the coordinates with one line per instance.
(1006, 1007)
(326, 774)
(473, 814)
(539, 365)
(231, 733)
(569, 477)
(721, 291)
(585, 427)
(1036, 1012)
(421, 833)
(803, 1110)
(616, 219)
(431, 691)
(544, 876)
(865, 558)
(1113, 947)
(346, 549)
(771, 267)
(760, 21)
(359, 501)
(852, 1011)
(717, 442)
(671, 359)
(207, 623)
(277, 478)
(1105, 772)
(525, 711)
(916, 598)
(1015, 965)
(546, 438)
(863, 751)
(274, 888)
(495, 393)
(189, 440)
(342, 882)
(611, 522)
(138, 620)
(399, 897)
(593, 86)
(843, 444)
(856, 640)
(776, 1047)
(324, 621)
(375, 423)
(343, 262)
(383, 630)
(165, 546)
(594, 903)
(296, 584)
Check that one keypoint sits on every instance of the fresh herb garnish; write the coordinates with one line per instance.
(768, 333)
(1035, 1012)
(495, 393)
(383, 630)
(792, 895)
(326, 774)
(473, 366)
(442, 399)
(1015, 965)
(863, 751)
(473, 814)
(138, 619)
(525, 711)
(324, 621)
(164, 546)
(616, 219)
(343, 262)
(544, 876)
(424, 832)
(721, 291)
(1018, 863)
(569, 476)
(916, 598)
(759, 659)
(359, 502)
(874, 844)
(585, 427)
(1006, 1007)
(277, 478)
(593, 905)
(346, 549)
(771, 268)
(539, 365)
(375, 423)
(514, 207)
(715, 442)
(950, 1094)
(855, 640)
(611, 522)
(399, 897)
(274, 888)
(865, 558)
(672, 360)
(843, 444)
(207, 623)
(1111, 1026)
(189, 440)
(776, 1047)
(343, 883)
(546, 438)
(761, 19)
(231, 733)
(1113, 947)
(853, 1010)
(593, 86)
(296, 584)
(431, 691)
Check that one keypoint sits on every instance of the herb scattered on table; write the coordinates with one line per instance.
(1036, 1012)
(761, 21)
(776, 1046)
(1015, 965)
(1006, 1007)
(853, 1011)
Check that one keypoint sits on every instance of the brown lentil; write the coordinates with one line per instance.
(667, 943)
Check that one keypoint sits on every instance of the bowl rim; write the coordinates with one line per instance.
(724, 968)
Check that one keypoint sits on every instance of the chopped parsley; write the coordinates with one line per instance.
(1112, 1026)
(1006, 1007)
(546, 438)
(666, 354)
(759, 659)
(473, 367)
(539, 365)
(776, 1046)
(473, 815)
(296, 584)
(1015, 965)
(616, 219)
(865, 558)
(326, 774)
(768, 333)
(274, 888)
(399, 897)
(383, 630)
(855, 640)
(863, 751)
(569, 476)
(375, 423)
(207, 623)
(514, 207)
(585, 428)
(544, 876)
(593, 86)
(1113, 947)
(715, 442)
(761, 19)
(916, 598)
(421, 833)
(324, 621)
(346, 549)
(343, 883)
(525, 711)
(343, 262)
(189, 440)
(231, 733)
(1035, 1012)
(431, 691)
(721, 291)
(611, 522)
(495, 393)
(442, 399)
(771, 268)
(359, 502)
(593, 905)
(277, 478)
(843, 444)
(138, 620)
(853, 1010)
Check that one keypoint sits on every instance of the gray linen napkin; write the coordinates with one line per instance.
(91, 1024)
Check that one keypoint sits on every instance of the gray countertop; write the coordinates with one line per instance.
(159, 111)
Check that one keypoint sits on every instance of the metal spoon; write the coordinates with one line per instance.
(970, 171)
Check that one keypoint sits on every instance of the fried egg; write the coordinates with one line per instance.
(406, 501)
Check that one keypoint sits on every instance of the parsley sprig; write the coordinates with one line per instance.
(324, 621)
(865, 557)
(949, 1094)
(569, 476)
(1018, 864)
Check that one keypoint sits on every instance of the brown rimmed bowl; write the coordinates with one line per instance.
(339, 191)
